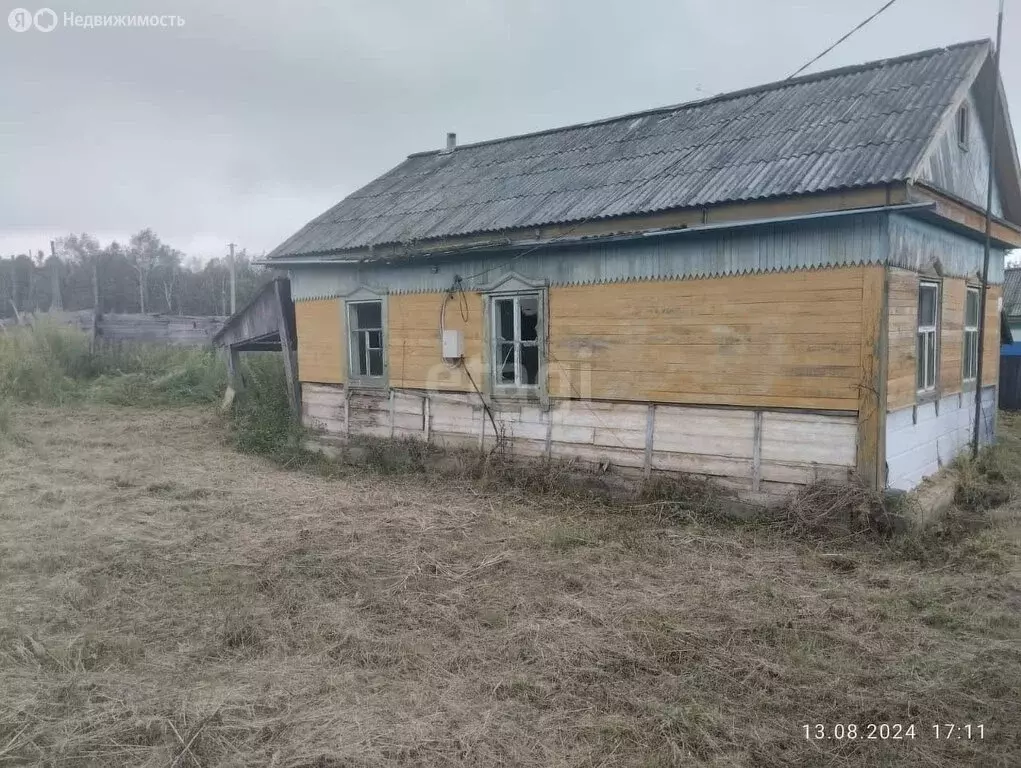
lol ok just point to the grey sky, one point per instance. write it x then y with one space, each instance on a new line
256 116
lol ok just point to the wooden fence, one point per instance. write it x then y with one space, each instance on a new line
177 330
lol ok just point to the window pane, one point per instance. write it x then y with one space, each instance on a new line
971 309
375 339
967 355
505 366
529 306
930 360
369 315
375 362
926 305
920 362
505 319
530 365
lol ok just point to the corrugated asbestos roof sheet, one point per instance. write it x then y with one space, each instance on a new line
1012 292
845 128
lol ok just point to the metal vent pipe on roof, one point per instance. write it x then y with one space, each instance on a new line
451 142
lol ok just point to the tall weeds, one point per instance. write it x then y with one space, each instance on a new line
52 364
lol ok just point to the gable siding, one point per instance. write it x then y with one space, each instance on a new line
962 172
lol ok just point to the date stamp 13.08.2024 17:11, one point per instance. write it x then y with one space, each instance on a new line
893 731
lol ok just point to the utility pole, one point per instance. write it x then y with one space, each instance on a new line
233 281
56 300
994 91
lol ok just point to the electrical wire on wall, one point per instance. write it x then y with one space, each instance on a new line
460 362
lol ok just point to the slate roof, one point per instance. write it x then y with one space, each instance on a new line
845 128
1012 292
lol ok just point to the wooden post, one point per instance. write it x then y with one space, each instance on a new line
757 452
871 453
234 370
234 383
288 349
650 431
548 449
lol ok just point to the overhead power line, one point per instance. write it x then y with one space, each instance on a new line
805 66
458 281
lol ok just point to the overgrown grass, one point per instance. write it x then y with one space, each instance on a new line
6 419
166 602
260 421
51 364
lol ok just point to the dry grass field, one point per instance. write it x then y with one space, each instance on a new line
165 601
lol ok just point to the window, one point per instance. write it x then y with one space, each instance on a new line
928 313
971 335
516 335
962 126
365 319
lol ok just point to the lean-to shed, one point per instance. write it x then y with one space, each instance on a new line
768 287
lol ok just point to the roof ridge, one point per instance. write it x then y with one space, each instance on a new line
720 97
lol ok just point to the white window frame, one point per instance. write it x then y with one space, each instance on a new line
496 368
929 330
970 366
962 126
353 333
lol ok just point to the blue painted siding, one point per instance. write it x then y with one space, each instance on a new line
872 238
770 248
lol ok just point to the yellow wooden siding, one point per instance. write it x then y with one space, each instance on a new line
902 299
321 347
872 390
903 325
782 340
413 340
951 352
991 342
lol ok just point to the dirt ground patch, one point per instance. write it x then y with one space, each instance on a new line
167 602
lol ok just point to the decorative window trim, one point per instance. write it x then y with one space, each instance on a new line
510 286
927 389
365 295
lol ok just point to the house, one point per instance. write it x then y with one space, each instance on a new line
1012 301
1010 338
767 287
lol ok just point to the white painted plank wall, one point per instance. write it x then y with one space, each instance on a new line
793 448
920 439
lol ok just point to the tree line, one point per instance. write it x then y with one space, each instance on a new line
143 275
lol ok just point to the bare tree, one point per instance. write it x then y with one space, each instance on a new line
168 271
144 249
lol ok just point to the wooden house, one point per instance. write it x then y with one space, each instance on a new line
768 287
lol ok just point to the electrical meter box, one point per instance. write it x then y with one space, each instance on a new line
453 345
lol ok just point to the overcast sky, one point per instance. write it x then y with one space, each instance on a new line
255 117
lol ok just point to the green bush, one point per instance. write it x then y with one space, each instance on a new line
260 418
